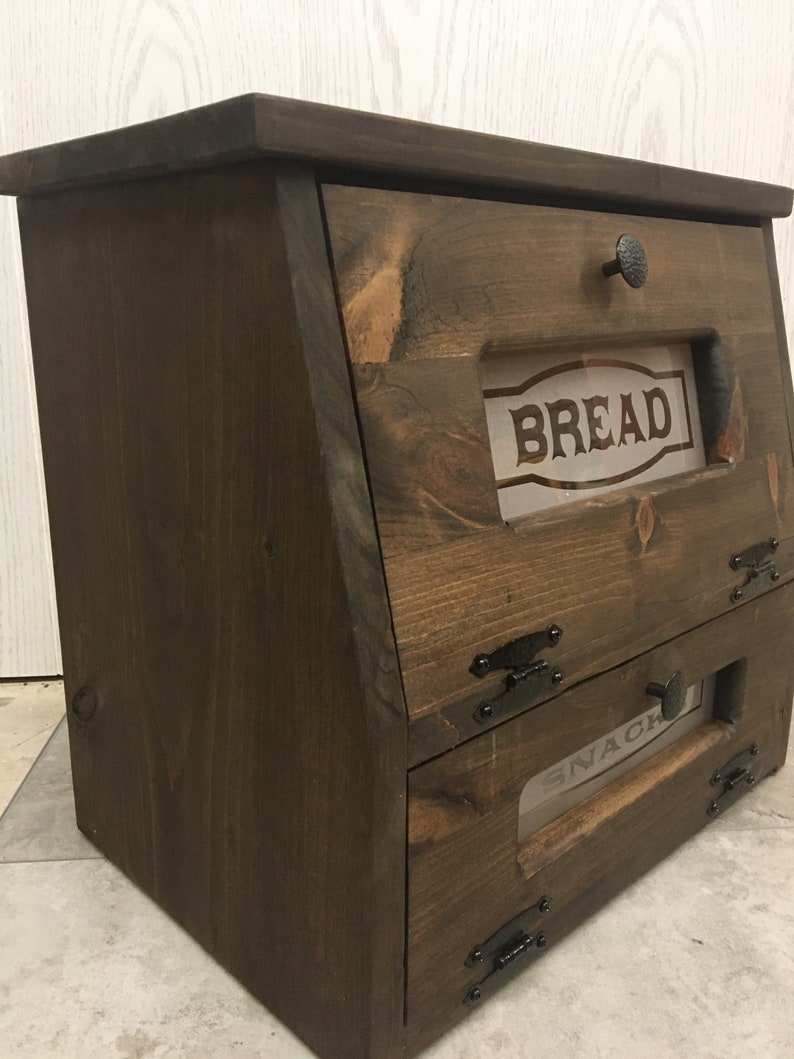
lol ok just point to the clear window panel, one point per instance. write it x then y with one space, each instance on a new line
565 426
569 782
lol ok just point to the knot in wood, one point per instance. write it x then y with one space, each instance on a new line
645 521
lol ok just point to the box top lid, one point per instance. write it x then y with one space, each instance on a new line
348 142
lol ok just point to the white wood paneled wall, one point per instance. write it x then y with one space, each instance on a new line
707 84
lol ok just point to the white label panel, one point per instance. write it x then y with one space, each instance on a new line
553 792
563 427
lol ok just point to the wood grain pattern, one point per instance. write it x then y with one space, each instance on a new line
429 452
432 276
653 79
703 61
237 731
382 957
780 323
468 874
611 600
267 126
427 285
589 76
28 621
128 62
690 49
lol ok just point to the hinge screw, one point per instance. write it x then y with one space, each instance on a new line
542 941
557 676
486 709
714 808
755 749
544 904
774 544
716 778
477 956
750 779
775 575
735 562
737 594
475 994
554 632
481 665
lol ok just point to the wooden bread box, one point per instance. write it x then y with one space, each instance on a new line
422 510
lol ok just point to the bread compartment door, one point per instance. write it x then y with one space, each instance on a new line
565 469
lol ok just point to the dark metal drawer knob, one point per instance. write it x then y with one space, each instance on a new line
630 261
672 694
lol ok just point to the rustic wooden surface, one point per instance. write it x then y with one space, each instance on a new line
426 286
257 125
237 731
634 571
468 874
652 79
433 276
780 323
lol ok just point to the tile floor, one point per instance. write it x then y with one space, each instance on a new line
696 960
28 714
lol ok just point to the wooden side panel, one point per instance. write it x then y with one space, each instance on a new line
438 276
468 873
237 731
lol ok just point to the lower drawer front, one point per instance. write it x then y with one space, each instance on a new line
555 805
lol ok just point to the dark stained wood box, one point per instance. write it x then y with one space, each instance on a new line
373 732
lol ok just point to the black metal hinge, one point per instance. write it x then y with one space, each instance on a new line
735 777
510 947
761 571
527 680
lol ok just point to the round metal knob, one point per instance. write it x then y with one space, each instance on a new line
672 694
630 261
